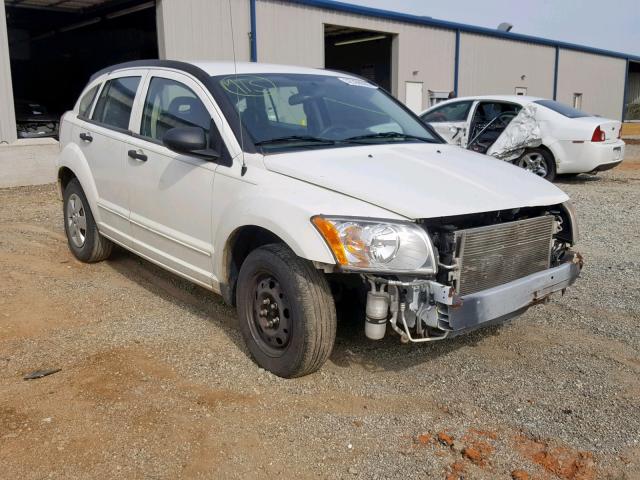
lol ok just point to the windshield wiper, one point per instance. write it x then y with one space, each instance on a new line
296 138
384 135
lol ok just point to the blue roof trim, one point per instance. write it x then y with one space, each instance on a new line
432 22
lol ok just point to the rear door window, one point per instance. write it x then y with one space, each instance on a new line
116 101
87 101
171 104
452 112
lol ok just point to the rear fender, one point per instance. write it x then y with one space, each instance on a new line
72 158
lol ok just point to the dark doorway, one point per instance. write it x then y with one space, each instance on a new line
55 47
363 52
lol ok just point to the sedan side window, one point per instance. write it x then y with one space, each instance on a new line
116 101
452 112
170 104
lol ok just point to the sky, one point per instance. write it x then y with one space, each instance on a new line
607 24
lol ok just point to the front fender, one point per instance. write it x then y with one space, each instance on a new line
283 206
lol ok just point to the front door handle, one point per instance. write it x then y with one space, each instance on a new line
86 137
137 155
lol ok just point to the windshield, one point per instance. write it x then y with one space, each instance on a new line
562 109
282 111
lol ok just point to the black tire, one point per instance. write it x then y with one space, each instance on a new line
300 342
89 246
548 162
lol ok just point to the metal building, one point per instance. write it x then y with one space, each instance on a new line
420 60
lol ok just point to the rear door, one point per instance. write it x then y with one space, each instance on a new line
451 121
170 194
102 138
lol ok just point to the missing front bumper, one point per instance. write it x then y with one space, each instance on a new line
434 311
511 299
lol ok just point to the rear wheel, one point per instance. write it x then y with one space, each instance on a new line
85 242
538 161
286 312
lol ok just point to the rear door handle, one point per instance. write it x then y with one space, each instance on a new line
86 137
137 155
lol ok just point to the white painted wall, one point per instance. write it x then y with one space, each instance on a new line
7 112
201 29
493 66
599 79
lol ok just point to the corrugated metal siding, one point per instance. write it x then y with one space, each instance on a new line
492 66
599 79
200 29
7 112
294 34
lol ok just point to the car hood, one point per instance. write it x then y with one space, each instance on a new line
418 180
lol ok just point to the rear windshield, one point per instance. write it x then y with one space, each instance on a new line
562 109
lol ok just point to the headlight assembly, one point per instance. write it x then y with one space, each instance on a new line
377 245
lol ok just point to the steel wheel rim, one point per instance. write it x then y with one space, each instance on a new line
270 321
76 218
534 162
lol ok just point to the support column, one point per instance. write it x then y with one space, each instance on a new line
7 110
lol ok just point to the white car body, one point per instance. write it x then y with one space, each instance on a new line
185 213
568 139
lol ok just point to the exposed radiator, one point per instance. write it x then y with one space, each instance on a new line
498 254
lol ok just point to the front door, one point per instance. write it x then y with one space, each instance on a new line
450 121
170 194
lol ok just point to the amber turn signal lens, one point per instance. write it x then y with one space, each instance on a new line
332 237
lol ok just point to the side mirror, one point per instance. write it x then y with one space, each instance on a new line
190 141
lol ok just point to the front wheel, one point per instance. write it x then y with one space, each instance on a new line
286 312
538 161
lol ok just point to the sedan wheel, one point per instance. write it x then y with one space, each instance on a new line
538 162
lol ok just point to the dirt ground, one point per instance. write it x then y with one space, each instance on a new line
156 383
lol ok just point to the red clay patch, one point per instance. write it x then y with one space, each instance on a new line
519 475
445 439
563 462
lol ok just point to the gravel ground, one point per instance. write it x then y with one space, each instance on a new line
156 382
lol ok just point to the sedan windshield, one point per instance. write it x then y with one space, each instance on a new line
281 111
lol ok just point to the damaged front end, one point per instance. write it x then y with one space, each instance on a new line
491 267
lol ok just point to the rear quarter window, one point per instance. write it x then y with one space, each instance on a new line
87 101
562 109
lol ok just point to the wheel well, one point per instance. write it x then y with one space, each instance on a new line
242 242
546 149
65 175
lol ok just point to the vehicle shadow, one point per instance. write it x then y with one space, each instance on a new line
390 354
351 346
581 179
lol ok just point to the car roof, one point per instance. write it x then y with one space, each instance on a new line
522 99
210 68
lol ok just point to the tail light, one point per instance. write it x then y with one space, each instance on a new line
598 135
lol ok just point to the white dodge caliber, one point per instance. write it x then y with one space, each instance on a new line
543 136
291 190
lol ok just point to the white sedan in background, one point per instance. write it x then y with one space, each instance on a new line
543 136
